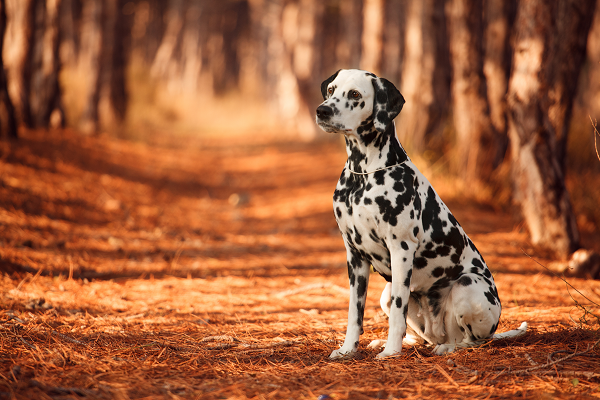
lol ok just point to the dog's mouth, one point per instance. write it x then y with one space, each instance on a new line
331 127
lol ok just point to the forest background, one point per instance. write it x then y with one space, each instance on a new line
166 228
501 93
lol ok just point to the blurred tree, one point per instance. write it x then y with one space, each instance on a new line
34 64
592 92
349 49
498 19
425 80
549 45
8 123
475 135
90 52
17 53
45 94
103 54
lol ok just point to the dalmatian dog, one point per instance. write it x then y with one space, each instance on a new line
439 288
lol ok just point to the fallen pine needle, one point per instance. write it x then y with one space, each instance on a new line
446 374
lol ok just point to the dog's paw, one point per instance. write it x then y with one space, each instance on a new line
377 344
341 354
442 349
387 354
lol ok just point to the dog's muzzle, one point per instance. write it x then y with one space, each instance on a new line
324 112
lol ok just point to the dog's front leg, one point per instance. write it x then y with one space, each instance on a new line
358 275
402 260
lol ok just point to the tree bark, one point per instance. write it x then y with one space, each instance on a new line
349 51
18 53
573 20
394 32
498 18
592 93
475 136
539 64
422 84
90 61
372 34
115 50
45 97
8 123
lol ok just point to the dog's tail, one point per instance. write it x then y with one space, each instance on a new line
515 333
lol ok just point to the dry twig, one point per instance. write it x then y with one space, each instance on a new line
549 364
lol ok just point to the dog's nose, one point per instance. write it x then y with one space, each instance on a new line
324 112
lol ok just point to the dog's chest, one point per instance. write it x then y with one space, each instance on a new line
371 210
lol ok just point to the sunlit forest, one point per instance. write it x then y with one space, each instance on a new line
166 228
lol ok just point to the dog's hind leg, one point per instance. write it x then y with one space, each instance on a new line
471 315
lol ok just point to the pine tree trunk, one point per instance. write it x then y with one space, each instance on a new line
422 83
393 40
474 132
539 182
372 33
8 123
115 47
573 20
45 94
592 93
90 61
349 51
496 66
19 48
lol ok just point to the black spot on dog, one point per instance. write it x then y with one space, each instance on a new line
434 294
368 201
362 286
404 245
416 231
490 297
464 281
477 263
408 277
437 272
362 105
442 251
420 262
351 276
387 211
357 237
338 212
398 302
428 254
493 330
453 273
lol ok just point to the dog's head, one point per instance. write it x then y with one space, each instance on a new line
357 102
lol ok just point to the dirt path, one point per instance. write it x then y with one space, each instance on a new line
183 269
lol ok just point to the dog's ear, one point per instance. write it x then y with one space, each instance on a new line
326 83
387 103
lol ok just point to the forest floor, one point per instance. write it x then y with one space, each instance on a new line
213 269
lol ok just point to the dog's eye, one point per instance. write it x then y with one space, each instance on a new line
354 95
330 91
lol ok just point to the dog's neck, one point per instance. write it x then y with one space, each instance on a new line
372 150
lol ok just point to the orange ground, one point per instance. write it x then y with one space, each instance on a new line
182 269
